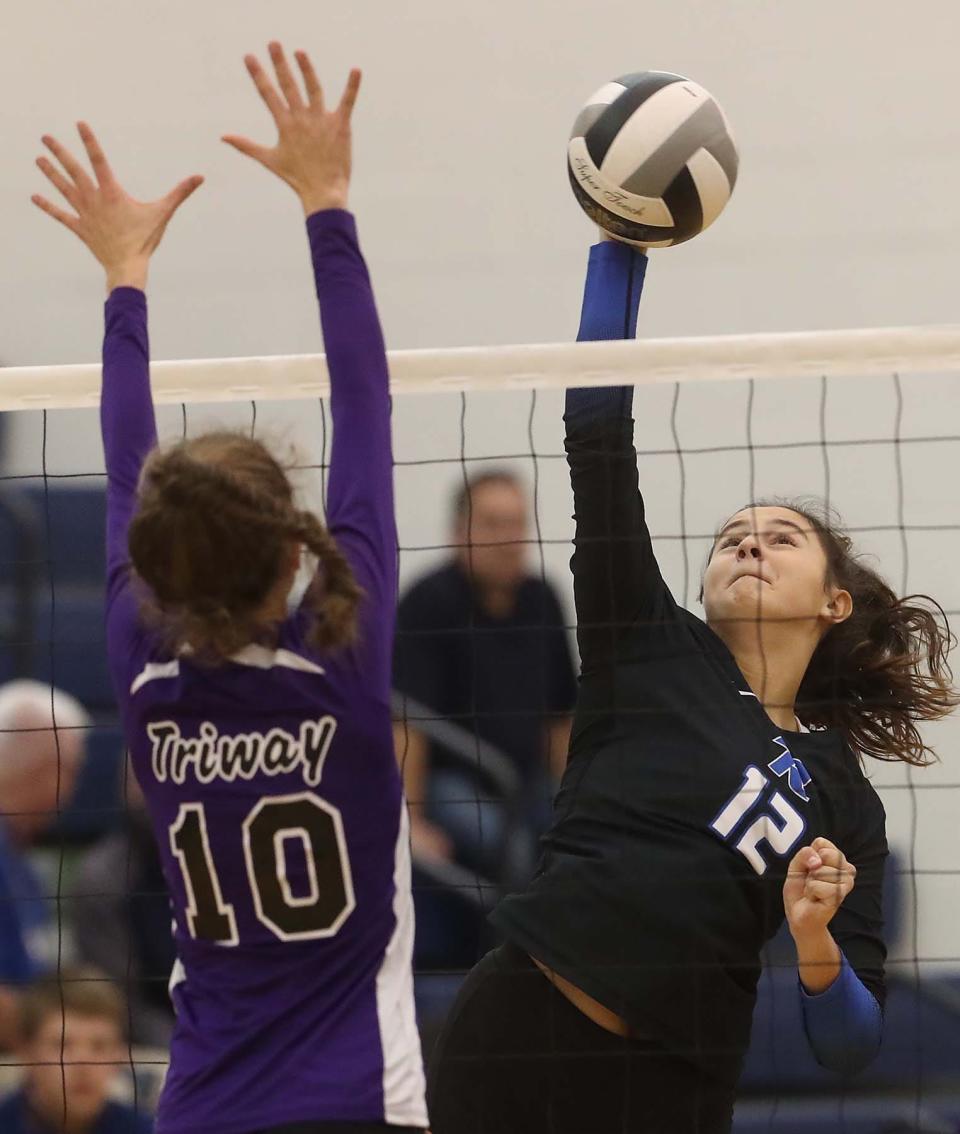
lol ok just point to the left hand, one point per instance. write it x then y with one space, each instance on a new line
313 151
818 879
121 232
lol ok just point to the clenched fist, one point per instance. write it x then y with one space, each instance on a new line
818 879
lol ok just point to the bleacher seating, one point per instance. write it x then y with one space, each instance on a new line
69 646
55 534
72 539
844 1114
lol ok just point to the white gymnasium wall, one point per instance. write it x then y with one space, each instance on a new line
844 216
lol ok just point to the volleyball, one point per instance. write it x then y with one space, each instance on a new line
651 159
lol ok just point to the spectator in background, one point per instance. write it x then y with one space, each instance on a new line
42 741
121 916
72 1046
482 642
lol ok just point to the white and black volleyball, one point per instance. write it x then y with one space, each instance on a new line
651 159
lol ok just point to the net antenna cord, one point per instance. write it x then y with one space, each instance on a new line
854 353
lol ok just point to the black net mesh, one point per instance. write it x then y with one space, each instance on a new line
84 887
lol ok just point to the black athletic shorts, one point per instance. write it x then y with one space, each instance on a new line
516 1057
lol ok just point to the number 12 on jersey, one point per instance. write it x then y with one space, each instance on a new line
271 825
781 838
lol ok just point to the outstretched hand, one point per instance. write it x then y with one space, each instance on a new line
313 149
121 232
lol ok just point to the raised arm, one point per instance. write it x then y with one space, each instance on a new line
127 422
313 156
122 233
617 583
360 511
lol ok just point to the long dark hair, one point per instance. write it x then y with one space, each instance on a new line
884 670
216 515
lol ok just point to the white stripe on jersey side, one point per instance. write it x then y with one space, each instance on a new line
404 1088
651 124
178 974
257 656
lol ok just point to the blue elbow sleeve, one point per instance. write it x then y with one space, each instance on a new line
844 1024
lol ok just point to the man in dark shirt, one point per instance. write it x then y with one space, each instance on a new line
483 643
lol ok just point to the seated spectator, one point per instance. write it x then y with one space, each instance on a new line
482 642
120 914
42 740
72 1047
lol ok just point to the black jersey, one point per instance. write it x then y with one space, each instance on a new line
683 803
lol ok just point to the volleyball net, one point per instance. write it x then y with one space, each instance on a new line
868 420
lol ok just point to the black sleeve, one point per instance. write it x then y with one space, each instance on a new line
857 927
616 579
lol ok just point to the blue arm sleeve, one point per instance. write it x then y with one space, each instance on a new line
611 298
844 1024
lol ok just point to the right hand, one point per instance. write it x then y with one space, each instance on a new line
313 150
120 231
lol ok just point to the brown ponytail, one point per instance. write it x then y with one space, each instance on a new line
333 594
211 538
882 671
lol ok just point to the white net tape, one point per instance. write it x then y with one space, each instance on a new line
865 352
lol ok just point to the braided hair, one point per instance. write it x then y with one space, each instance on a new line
215 525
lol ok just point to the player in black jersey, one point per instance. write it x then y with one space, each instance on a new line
714 787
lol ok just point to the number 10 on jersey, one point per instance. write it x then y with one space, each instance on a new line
268 830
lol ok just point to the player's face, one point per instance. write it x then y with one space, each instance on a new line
769 564
80 1075
496 553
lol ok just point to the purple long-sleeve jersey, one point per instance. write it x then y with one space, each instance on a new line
271 780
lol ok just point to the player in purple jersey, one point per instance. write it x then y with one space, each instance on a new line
262 739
